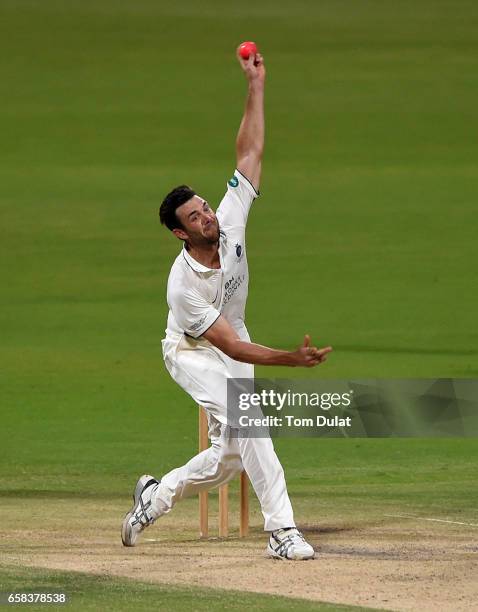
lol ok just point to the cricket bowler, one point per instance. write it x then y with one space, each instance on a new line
207 342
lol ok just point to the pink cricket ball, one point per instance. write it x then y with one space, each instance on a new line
247 48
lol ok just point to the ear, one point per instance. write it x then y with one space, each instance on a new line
179 233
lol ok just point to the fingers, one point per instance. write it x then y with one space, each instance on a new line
313 362
253 61
259 60
242 61
313 350
322 354
314 356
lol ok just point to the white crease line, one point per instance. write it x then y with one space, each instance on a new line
420 518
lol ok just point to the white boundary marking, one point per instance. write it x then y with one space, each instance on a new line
421 518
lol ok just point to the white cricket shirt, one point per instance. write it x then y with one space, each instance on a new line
197 295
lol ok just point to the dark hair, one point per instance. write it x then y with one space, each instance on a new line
175 198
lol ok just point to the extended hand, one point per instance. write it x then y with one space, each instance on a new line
309 356
253 67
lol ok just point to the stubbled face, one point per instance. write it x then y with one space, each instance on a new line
200 225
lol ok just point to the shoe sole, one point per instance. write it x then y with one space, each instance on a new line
126 528
272 553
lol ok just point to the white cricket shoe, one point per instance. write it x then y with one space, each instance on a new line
289 544
139 517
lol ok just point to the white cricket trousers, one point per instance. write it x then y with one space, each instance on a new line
203 372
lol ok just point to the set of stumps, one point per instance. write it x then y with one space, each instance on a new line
223 495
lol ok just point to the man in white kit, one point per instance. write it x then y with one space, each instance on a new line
207 342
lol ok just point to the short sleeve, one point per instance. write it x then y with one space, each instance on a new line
234 207
193 313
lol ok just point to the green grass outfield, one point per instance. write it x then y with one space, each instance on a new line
365 236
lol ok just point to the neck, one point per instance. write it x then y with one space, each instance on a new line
207 254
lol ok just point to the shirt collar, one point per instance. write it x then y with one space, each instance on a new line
199 267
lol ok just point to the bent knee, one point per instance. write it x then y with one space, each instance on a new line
229 462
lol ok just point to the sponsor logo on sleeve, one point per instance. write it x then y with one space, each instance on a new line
233 181
198 324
